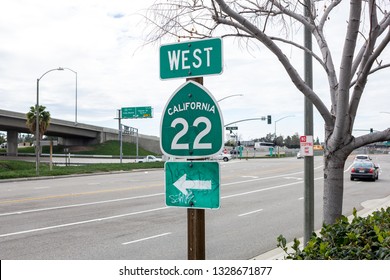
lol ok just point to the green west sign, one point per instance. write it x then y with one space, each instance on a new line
191 59
191 126
192 184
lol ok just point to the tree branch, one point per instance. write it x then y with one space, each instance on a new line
380 67
342 120
362 79
371 138
385 22
291 71
316 57
325 16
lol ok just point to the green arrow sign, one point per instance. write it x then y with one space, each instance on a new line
191 59
192 184
191 126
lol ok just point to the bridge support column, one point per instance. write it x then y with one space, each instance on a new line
12 143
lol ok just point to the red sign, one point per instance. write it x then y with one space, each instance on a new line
306 142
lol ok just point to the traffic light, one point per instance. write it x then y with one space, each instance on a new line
269 119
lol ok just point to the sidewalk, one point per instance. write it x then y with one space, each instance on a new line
369 207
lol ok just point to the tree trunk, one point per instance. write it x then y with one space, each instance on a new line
333 187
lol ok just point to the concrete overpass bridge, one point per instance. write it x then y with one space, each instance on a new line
69 133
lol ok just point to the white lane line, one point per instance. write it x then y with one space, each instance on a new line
294 178
83 222
266 178
80 205
249 213
260 179
41 188
147 238
348 168
260 190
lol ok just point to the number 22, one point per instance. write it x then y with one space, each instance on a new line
184 130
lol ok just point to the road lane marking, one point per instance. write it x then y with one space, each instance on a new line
80 205
128 214
136 197
41 188
72 194
293 178
260 190
146 238
249 213
83 222
263 178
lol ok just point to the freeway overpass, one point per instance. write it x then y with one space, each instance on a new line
69 133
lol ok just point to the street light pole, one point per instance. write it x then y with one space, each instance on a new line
75 110
275 128
245 120
229 96
37 136
280 120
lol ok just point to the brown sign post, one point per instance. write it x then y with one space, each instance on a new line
196 232
193 60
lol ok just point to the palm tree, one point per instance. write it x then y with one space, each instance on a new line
44 120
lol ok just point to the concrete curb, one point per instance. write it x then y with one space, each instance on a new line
369 207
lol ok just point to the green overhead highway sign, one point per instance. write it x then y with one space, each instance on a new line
192 184
191 59
191 126
136 112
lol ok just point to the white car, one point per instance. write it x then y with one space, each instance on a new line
148 158
362 157
222 156
3 145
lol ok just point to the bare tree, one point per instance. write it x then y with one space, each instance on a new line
257 20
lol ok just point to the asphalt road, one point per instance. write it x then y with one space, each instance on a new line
123 216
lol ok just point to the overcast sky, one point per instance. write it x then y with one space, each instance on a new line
102 40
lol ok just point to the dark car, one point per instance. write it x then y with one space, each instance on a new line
364 170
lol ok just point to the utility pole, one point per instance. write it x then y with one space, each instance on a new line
309 160
120 139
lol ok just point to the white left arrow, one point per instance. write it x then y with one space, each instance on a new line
182 184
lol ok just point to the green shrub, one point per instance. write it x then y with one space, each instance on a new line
361 239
